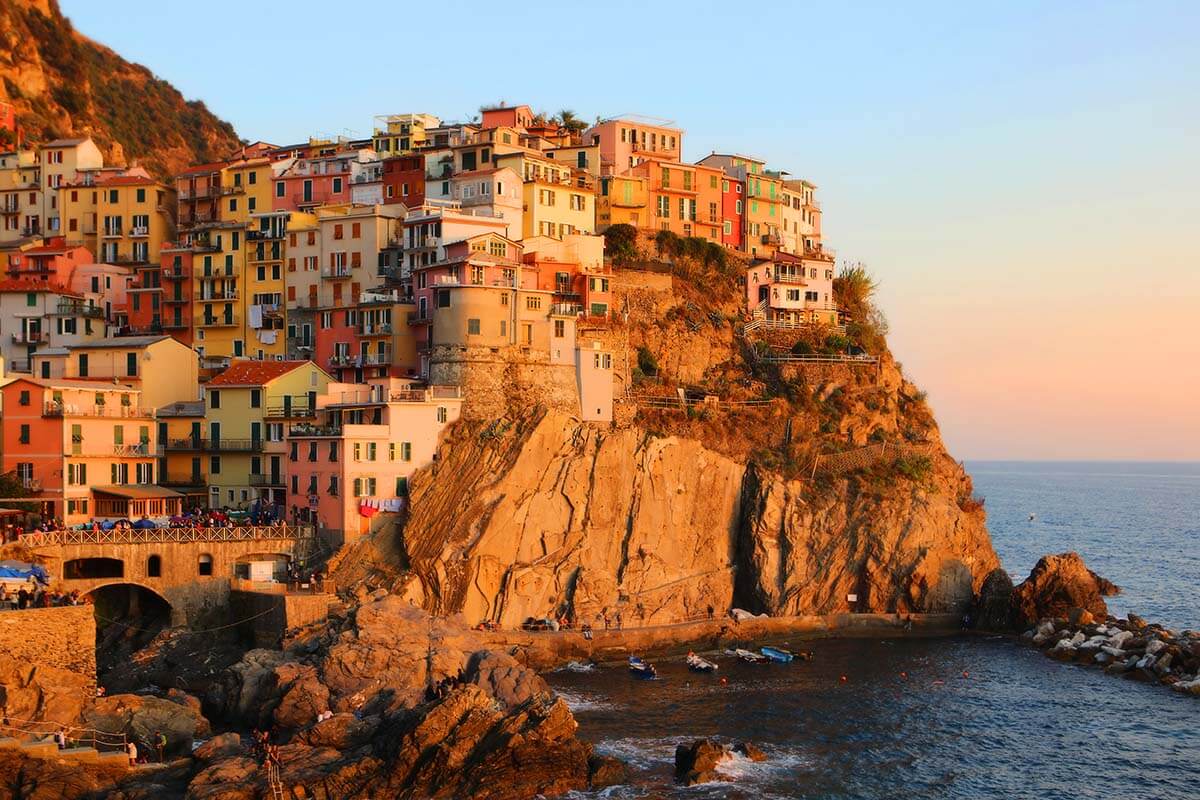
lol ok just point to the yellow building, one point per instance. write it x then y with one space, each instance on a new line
135 218
558 199
59 161
182 463
246 189
623 200
248 409
397 134
20 196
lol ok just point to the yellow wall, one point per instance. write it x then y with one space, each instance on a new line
625 203
215 273
123 201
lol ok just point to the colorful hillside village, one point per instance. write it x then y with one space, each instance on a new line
287 332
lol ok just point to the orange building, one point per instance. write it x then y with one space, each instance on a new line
80 445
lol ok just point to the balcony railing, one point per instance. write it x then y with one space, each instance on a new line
31 484
140 230
235 445
69 309
181 479
305 429
221 322
29 337
566 309
187 444
131 450
176 324
53 409
216 297
377 359
374 329
266 480
335 273
783 277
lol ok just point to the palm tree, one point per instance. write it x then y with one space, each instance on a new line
567 119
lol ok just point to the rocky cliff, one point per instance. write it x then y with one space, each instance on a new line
780 496
64 84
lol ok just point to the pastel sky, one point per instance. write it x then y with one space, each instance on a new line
1023 178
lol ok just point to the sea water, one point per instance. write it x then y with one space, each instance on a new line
966 717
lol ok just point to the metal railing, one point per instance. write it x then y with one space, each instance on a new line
235 533
115 412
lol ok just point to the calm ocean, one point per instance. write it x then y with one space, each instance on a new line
1018 725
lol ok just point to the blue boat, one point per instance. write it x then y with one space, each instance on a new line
777 654
642 669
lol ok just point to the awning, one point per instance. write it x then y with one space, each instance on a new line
136 492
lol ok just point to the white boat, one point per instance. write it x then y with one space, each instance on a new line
697 664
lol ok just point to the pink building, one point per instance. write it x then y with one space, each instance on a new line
353 463
789 291
324 180
626 142
54 261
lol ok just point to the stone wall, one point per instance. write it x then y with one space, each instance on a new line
497 380
267 615
63 638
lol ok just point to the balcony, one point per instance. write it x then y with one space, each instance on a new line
53 409
419 318
342 360
374 329
112 232
336 273
30 337
140 231
377 359
31 230
235 445
176 324
667 186
296 411
771 239
307 429
566 309
311 198
228 295
31 484
227 321
267 480
174 274
140 449
783 277
75 309
187 444
181 479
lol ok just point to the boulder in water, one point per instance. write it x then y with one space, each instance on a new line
1057 585
697 762
993 605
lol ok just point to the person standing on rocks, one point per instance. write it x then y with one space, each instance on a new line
131 751
160 745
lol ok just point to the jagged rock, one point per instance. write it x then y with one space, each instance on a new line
342 731
304 696
1055 586
1135 620
993 607
697 762
219 747
228 779
1079 617
605 771
559 516
504 678
35 692
749 750
140 717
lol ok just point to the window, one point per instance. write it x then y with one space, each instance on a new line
406 451
205 565
355 230
214 465
279 188
441 414
312 451
214 398
358 451
333 486
560 328
141 195
333 451
337 185
401 487
533 303
473 327
256 398
24 434
24 398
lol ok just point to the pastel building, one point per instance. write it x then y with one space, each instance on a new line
86 448
558 199
626 142
249 406
20 196
136 218
623 200
36 315
495 192
789 291
763 196
59 161
53 261
684 198
354 461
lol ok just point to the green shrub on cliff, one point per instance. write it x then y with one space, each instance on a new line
917 469
620 243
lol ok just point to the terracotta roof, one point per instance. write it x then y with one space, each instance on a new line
254 373
214 166
125 180
66 142
21 285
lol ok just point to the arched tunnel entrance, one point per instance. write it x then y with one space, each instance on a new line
128 617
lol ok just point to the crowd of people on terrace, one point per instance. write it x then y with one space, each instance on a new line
192 518
32 594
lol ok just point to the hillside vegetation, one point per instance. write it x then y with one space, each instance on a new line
63 84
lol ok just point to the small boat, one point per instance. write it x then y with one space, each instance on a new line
697 664
777 654
642 669
749 656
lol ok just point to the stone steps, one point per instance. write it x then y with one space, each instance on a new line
48 748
